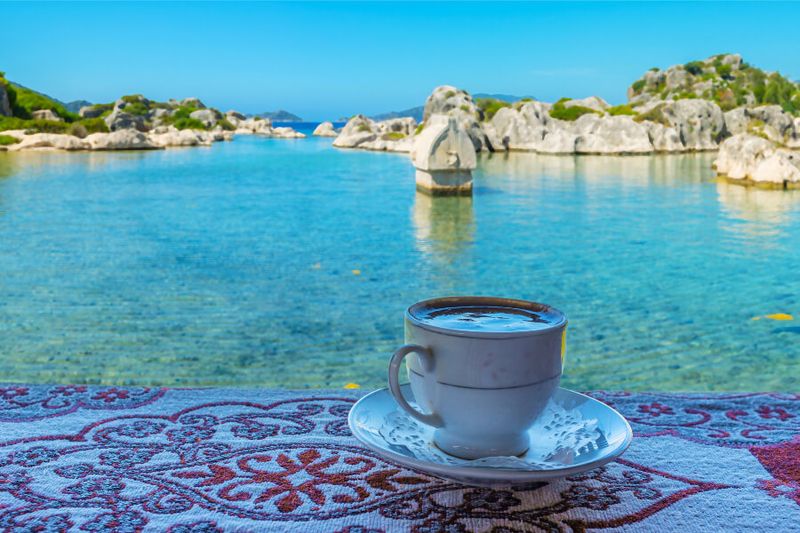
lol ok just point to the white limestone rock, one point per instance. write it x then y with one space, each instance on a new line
125 139
208 117
457 103
700 123
120 120
192 102
324 129
592 102
663 138
52 141
91 111
46 114
393 135
611 135
444 156
175 137
751 158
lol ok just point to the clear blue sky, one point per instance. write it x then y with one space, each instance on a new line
330 60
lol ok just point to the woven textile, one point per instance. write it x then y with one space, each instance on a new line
132 459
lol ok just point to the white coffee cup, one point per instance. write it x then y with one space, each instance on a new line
481 388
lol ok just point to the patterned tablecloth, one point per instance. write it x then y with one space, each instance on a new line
128 459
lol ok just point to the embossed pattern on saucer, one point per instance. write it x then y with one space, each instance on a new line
575 433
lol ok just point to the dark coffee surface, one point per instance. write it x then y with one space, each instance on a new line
486 318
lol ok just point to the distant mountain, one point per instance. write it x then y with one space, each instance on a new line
279 116
75 105
500 96
416 112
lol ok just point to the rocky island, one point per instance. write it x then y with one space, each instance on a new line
31 120
720 103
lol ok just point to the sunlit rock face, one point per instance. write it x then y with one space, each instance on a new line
458 104
749 158
324 129
393 135
444 156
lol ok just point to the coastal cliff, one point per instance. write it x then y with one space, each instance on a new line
31 120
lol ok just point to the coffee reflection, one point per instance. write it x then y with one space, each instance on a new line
444 226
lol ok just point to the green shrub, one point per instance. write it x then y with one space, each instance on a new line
5 140
12 123
24 102
685 95
77 130
94 125
393 136
449 94
189 124
464 108
419 129
562 112
637 86
490 106
656 115
226 124
364 128
181 119
136 108
694 68
132 98
623 109
724 71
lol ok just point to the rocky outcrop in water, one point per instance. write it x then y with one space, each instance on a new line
685 108
457 103
393 135
324 129
444 156
751 159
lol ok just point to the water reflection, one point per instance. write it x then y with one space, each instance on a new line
7 165
443 226
754 214
640 170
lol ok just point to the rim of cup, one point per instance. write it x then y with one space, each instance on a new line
559 320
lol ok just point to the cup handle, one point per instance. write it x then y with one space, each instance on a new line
432 419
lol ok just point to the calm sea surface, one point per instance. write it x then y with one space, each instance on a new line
289 263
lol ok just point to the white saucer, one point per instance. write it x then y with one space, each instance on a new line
575 433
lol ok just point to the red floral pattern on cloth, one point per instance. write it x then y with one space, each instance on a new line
246 460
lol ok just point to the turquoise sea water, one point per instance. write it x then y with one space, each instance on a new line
289 263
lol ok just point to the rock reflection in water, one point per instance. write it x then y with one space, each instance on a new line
754 214
444 226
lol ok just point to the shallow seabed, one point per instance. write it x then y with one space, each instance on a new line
289 263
